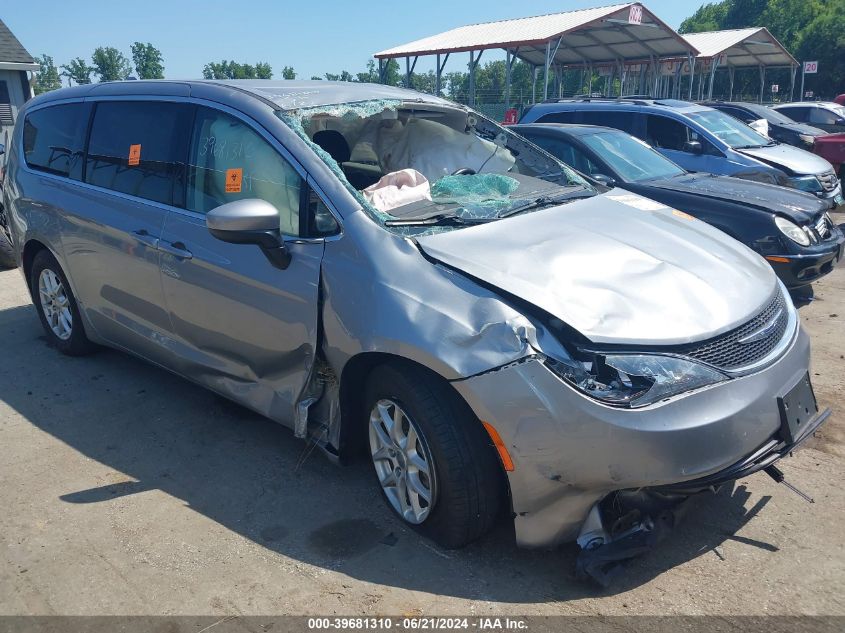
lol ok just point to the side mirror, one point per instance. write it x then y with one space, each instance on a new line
605 180
250 221
693 147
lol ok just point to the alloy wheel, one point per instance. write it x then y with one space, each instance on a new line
55 304
402 461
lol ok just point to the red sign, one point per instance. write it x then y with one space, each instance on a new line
511 116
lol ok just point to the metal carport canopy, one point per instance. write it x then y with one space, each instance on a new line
753 47
599 35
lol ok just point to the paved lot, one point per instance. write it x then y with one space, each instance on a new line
126 490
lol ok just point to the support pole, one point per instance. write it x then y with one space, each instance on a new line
546 70
792 81
437 77
407 72
507 79
731 79
534 70
382 71
762 81
713 67
801 96
472 78
691 74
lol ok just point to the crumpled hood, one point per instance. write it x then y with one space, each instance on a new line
792 160
798 206
618 268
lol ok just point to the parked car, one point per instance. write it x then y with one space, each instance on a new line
700 139
826 115
488 327
790 228
780 127
831 147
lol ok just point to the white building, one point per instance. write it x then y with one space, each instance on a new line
15 65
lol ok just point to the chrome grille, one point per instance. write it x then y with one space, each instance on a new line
823 226
726 351
828 180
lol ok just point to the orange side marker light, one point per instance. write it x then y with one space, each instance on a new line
507 462
775 258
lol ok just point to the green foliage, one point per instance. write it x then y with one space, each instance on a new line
288 73
47 77
234 70
110 64
78 71
148 61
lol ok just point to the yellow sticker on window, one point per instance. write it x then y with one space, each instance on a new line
135 154
234 178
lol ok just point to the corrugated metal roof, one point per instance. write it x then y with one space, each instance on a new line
11 50
602 34
743 47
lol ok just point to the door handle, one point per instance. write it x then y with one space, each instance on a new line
177 249
143 236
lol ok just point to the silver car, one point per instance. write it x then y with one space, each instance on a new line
387 272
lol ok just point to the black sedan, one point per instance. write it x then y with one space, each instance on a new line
781 127
791 229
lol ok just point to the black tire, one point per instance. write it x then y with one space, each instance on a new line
77 344
7 255
470 484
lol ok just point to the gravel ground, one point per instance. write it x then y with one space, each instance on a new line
127 490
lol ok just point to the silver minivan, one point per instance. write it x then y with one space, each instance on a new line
390 273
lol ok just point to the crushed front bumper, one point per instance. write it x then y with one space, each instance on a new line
569 451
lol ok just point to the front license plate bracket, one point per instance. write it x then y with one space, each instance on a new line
797 407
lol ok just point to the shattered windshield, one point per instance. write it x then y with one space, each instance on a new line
423 165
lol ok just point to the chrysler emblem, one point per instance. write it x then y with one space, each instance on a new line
764 331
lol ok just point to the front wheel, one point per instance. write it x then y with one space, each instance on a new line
433 459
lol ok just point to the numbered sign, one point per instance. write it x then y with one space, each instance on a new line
811 68
775 88
635 15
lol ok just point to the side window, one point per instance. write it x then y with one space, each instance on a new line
797 114
230 161
54 139
139 148
320 219
619 120
666 133
820 115
558 117
742 115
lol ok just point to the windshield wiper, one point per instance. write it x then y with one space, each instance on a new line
443 219
546 201
769 144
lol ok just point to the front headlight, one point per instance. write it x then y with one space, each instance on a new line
635 380
807 139
792 231
805 183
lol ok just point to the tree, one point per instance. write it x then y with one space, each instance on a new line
371 76
110 64
263 70
316 78
47 77
78 71
288 73
234 70
148 61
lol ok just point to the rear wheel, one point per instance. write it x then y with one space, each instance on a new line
433 460
56 306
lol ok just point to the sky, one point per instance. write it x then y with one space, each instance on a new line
314 37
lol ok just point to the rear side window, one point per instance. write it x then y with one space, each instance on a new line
558 117
566 152
230 161
139 148
619 120
54 139
820 115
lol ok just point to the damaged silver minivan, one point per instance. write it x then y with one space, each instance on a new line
383 269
